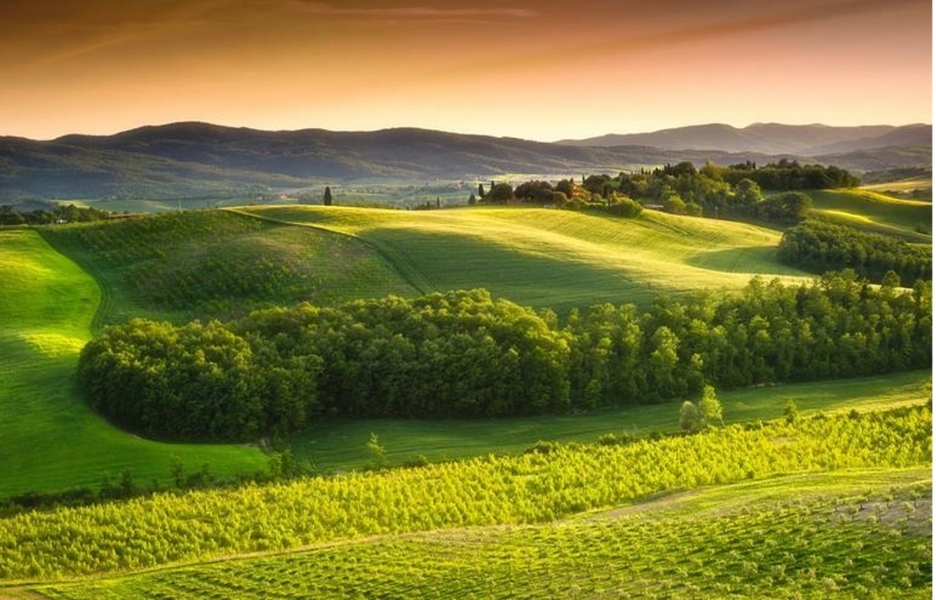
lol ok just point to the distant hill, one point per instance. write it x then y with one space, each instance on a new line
770 138
204 160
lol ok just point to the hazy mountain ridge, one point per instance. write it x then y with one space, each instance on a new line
770 138
201 159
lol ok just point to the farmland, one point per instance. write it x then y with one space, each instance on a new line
532 506
542 486
738 539
554 258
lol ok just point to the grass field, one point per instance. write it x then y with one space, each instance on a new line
753 539
341 445
921 186
182 266
49 440
553 258
876 212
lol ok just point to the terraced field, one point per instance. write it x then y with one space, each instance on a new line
49 439
553 258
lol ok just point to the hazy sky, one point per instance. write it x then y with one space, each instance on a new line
537 70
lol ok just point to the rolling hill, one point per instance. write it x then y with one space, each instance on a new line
186 160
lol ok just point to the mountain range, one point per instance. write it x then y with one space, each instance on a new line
200 159
771 138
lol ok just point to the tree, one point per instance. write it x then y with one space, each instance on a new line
689 417
472 200
377 453
710 408
327 198
790 411
481 191
747 193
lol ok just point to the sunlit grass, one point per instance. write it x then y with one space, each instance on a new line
49 439
554 258
875 212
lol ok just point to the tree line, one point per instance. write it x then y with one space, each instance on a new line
10 215
464 354
736 191
817 246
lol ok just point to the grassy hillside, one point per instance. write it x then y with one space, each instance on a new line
876 212
738 540
49 440
181 266
553 258
335 446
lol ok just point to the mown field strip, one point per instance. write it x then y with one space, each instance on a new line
49 439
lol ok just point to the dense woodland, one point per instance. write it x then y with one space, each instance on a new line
465 354
818 247
712 191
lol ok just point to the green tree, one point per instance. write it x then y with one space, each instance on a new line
790 411
690 419
377 453
327 198
710 408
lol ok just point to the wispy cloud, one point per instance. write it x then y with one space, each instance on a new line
411 13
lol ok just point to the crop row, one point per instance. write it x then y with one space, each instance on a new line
215 263
539 486
870 546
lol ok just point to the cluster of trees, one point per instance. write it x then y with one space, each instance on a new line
712 191
788 174
818 247
9 215
564 194
715 191
464 354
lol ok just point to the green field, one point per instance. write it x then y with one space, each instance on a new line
876 212
49 439
336 446
739 540
922 187
553 258
182 266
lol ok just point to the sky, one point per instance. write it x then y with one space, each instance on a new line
543 70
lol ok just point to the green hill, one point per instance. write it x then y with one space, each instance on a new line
553 258
49 439
875 212
181 266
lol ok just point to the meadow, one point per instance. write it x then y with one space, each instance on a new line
549 258
49 438
876 212
182 266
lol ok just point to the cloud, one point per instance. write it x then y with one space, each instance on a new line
411 13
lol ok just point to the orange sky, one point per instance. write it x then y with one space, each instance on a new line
537 70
